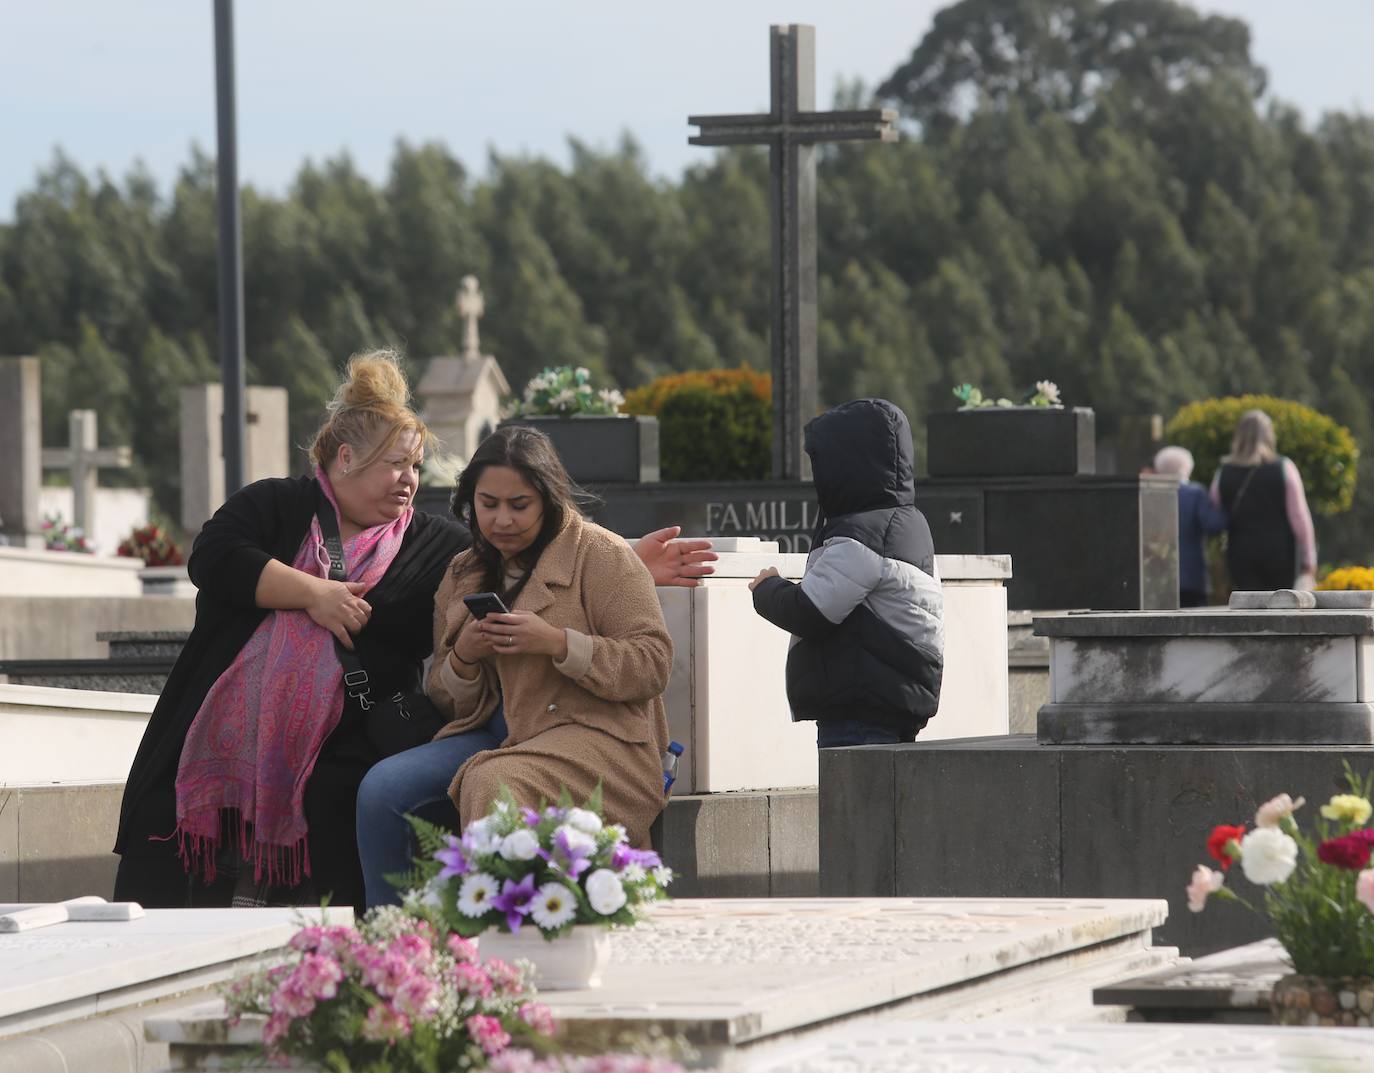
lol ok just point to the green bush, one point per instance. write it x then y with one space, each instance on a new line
1324 452
714 424
715 435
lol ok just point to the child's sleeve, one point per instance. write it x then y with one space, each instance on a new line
836 582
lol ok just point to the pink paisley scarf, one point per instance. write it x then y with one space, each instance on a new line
253 744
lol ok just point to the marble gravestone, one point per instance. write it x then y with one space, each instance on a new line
266 446
21 430
729 975
70 990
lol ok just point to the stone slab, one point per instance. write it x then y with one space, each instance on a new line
991 1047
1127 820
64 852
77 735
1206 622
728 973
1336 599
717 844
1231 984
65 627
9 844
1140 670
794 844
1206 724
78 970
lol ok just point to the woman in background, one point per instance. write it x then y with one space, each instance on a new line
1270 542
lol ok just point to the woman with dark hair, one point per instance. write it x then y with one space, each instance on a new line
1269 538
564 691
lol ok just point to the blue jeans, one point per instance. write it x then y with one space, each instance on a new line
835 733
415 781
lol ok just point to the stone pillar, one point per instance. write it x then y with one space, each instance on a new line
267 448
21 445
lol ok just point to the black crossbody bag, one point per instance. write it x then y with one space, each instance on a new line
405 719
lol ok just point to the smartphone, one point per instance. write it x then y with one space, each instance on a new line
482 604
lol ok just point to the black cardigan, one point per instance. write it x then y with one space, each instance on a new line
268 520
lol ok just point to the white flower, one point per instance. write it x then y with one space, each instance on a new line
633 873
663 875
611 397
1276 809
564 397
520 845
581 373
616 831
476 893
478 837
1205 882
576 838
584 820
1049 389
553 906
605 892
1268 856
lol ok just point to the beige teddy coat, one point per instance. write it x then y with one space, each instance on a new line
597 715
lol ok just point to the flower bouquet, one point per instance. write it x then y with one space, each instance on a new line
153 545
395 993
59 536
539 874
1318 892
1045 393
565 392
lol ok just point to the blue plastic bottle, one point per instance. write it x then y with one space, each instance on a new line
670 759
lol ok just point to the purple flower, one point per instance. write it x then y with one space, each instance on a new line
571 848
623 856
531 817
514 901
452 858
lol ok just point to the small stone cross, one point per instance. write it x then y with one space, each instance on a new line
82 459
470 308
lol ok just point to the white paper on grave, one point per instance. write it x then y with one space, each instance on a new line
83 910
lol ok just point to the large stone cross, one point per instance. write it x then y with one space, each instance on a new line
82 458
792 129
470 308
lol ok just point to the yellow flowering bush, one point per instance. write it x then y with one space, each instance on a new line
1324 452
1348 577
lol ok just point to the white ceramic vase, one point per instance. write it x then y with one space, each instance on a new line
569 963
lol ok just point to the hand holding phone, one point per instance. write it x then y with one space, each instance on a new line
482 604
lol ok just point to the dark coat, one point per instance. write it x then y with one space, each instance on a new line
268 520
1198 517
868 615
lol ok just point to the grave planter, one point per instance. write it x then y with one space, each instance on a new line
1012 441
611 449
571 962
1340 1002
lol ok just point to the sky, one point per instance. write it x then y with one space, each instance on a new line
114 82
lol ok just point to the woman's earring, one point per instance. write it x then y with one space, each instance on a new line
345 471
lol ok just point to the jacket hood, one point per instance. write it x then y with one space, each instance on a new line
862 457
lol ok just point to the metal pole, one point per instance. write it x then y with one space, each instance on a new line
230 251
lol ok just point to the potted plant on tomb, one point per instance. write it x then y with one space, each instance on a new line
1036 436
597 443
1316 888
542 885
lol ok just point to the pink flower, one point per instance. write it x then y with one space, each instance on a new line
418 997
1276 809
1204 882
318 976
413 947
384 1024
471 979
290 1000
386 974
1364 888
538 1017
505 979
488 1034
275 1030
462 949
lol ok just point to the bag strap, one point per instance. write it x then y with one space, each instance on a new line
1243 485
356 682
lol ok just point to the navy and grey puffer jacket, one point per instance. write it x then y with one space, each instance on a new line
867 617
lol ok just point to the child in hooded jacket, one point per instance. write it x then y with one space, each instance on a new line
867 652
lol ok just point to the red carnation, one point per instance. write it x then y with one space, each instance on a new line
1218 839
1349 851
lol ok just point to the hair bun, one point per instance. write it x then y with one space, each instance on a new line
374 379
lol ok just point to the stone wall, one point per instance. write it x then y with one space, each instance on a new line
64 627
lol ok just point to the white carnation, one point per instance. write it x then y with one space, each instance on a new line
478 837
1268 856
520 845
605 892
584 820
576 839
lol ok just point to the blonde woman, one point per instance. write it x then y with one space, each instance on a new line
1270 542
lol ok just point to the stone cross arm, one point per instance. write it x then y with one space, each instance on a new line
763 128
100 458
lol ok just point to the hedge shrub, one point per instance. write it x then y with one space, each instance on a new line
1324 452
1348 577
714 425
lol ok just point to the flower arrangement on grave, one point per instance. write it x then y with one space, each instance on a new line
393 994
59 536
1348 577
1316 889
1044 394
565 391
550 869
153 545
